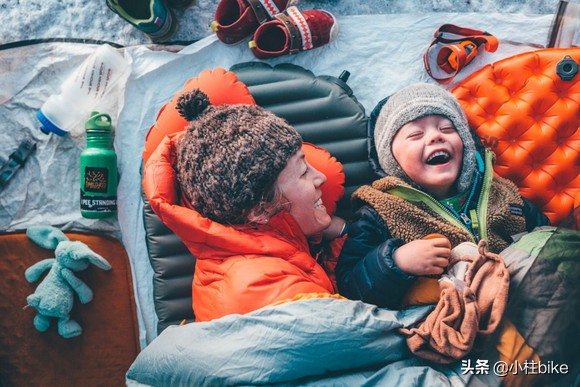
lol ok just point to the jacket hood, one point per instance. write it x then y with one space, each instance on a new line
204 237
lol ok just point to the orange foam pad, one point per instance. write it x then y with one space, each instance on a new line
530 118
109 343
221 86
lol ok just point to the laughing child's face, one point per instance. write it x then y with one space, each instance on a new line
430 152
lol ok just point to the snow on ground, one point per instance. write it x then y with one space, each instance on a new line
92 19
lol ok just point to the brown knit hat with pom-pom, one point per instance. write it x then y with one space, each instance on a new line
230 156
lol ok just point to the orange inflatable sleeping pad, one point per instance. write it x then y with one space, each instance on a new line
530 118
221 86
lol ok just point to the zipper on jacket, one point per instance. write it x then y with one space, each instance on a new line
470 221
412 194
483 202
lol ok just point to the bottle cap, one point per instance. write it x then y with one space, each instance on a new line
46 126
98 121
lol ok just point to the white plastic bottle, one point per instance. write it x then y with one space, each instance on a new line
67 111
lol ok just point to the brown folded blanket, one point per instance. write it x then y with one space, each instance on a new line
473 298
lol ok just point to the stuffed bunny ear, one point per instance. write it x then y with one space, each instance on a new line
78 250
47 237
98 261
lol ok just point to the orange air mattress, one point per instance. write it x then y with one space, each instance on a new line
530 117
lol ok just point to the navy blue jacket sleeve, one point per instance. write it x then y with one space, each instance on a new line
534 217
366 270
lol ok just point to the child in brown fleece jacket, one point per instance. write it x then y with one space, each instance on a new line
438 180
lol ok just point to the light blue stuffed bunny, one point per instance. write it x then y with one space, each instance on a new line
54 296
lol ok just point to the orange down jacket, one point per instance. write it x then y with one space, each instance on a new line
239 268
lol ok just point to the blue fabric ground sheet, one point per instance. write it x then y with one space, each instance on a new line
317 341
328 341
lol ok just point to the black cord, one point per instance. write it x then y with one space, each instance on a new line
23 43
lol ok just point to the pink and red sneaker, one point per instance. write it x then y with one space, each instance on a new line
237 19
293 31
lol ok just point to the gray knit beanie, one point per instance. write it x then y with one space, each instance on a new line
414 102
230 156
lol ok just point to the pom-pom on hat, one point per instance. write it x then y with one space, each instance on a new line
230 156
414 102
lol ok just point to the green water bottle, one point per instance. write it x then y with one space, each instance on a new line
98 169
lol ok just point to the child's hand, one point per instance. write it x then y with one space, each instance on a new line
424 256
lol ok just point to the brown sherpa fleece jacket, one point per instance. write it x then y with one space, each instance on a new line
414 220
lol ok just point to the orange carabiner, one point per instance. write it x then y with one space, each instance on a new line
470 51
460 54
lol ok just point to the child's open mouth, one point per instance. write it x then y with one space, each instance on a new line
438 158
